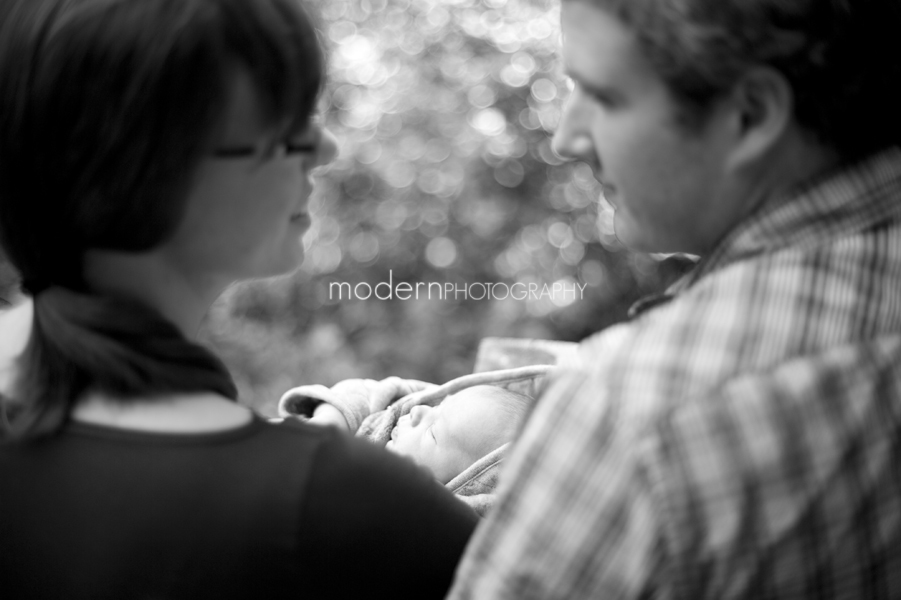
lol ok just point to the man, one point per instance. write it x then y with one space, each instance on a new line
742 439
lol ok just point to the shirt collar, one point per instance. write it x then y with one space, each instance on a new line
842 201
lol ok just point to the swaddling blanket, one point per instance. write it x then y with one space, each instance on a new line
476 484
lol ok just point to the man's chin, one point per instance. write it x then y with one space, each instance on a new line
627 235
634 238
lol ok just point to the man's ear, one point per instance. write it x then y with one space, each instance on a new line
763 104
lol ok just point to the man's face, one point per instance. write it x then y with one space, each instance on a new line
669 185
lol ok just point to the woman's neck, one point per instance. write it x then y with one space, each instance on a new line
15 328
177 413
181 297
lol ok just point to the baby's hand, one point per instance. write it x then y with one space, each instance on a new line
395 388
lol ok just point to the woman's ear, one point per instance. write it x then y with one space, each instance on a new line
763 104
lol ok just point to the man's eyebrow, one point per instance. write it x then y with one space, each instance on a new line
574 75
607 92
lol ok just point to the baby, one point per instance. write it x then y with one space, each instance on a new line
448 438
459 431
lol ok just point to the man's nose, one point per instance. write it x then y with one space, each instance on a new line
572 140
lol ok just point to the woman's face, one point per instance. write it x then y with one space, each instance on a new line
246 212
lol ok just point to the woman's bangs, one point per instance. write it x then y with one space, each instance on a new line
277 43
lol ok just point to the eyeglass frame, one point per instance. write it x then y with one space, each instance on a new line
289 149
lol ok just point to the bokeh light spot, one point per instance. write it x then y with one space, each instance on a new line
560 235
441 252
544 90
364 248
400 174
481 96
594 273
559 297
369 152
540 28
391 215
489 121
509 173
437 150
513 77
524 63
340 30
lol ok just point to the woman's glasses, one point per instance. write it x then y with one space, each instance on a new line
280 150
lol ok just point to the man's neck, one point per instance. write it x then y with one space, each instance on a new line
795 161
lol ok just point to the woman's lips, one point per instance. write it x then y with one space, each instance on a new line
301 219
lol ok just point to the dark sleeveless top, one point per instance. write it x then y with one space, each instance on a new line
261 511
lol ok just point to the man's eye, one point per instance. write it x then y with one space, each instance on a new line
598 96
602 99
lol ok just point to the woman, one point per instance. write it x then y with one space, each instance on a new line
151 153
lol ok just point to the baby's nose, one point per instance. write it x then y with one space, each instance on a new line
416 414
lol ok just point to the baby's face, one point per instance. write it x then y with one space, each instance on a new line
447 438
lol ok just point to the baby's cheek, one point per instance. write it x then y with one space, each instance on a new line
454 460
404 447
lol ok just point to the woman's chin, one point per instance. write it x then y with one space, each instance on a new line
285 264
290 260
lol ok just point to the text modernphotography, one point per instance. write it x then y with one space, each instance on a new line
444 113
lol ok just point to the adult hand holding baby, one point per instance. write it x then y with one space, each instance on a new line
383 393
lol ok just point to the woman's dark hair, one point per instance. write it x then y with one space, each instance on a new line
840 57
106 109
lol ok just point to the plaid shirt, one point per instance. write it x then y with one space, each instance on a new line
740 441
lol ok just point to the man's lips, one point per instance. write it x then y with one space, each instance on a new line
596 173
608 190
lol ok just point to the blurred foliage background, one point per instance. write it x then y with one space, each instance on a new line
444 111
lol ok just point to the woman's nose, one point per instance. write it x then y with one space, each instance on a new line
327 150
417 413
